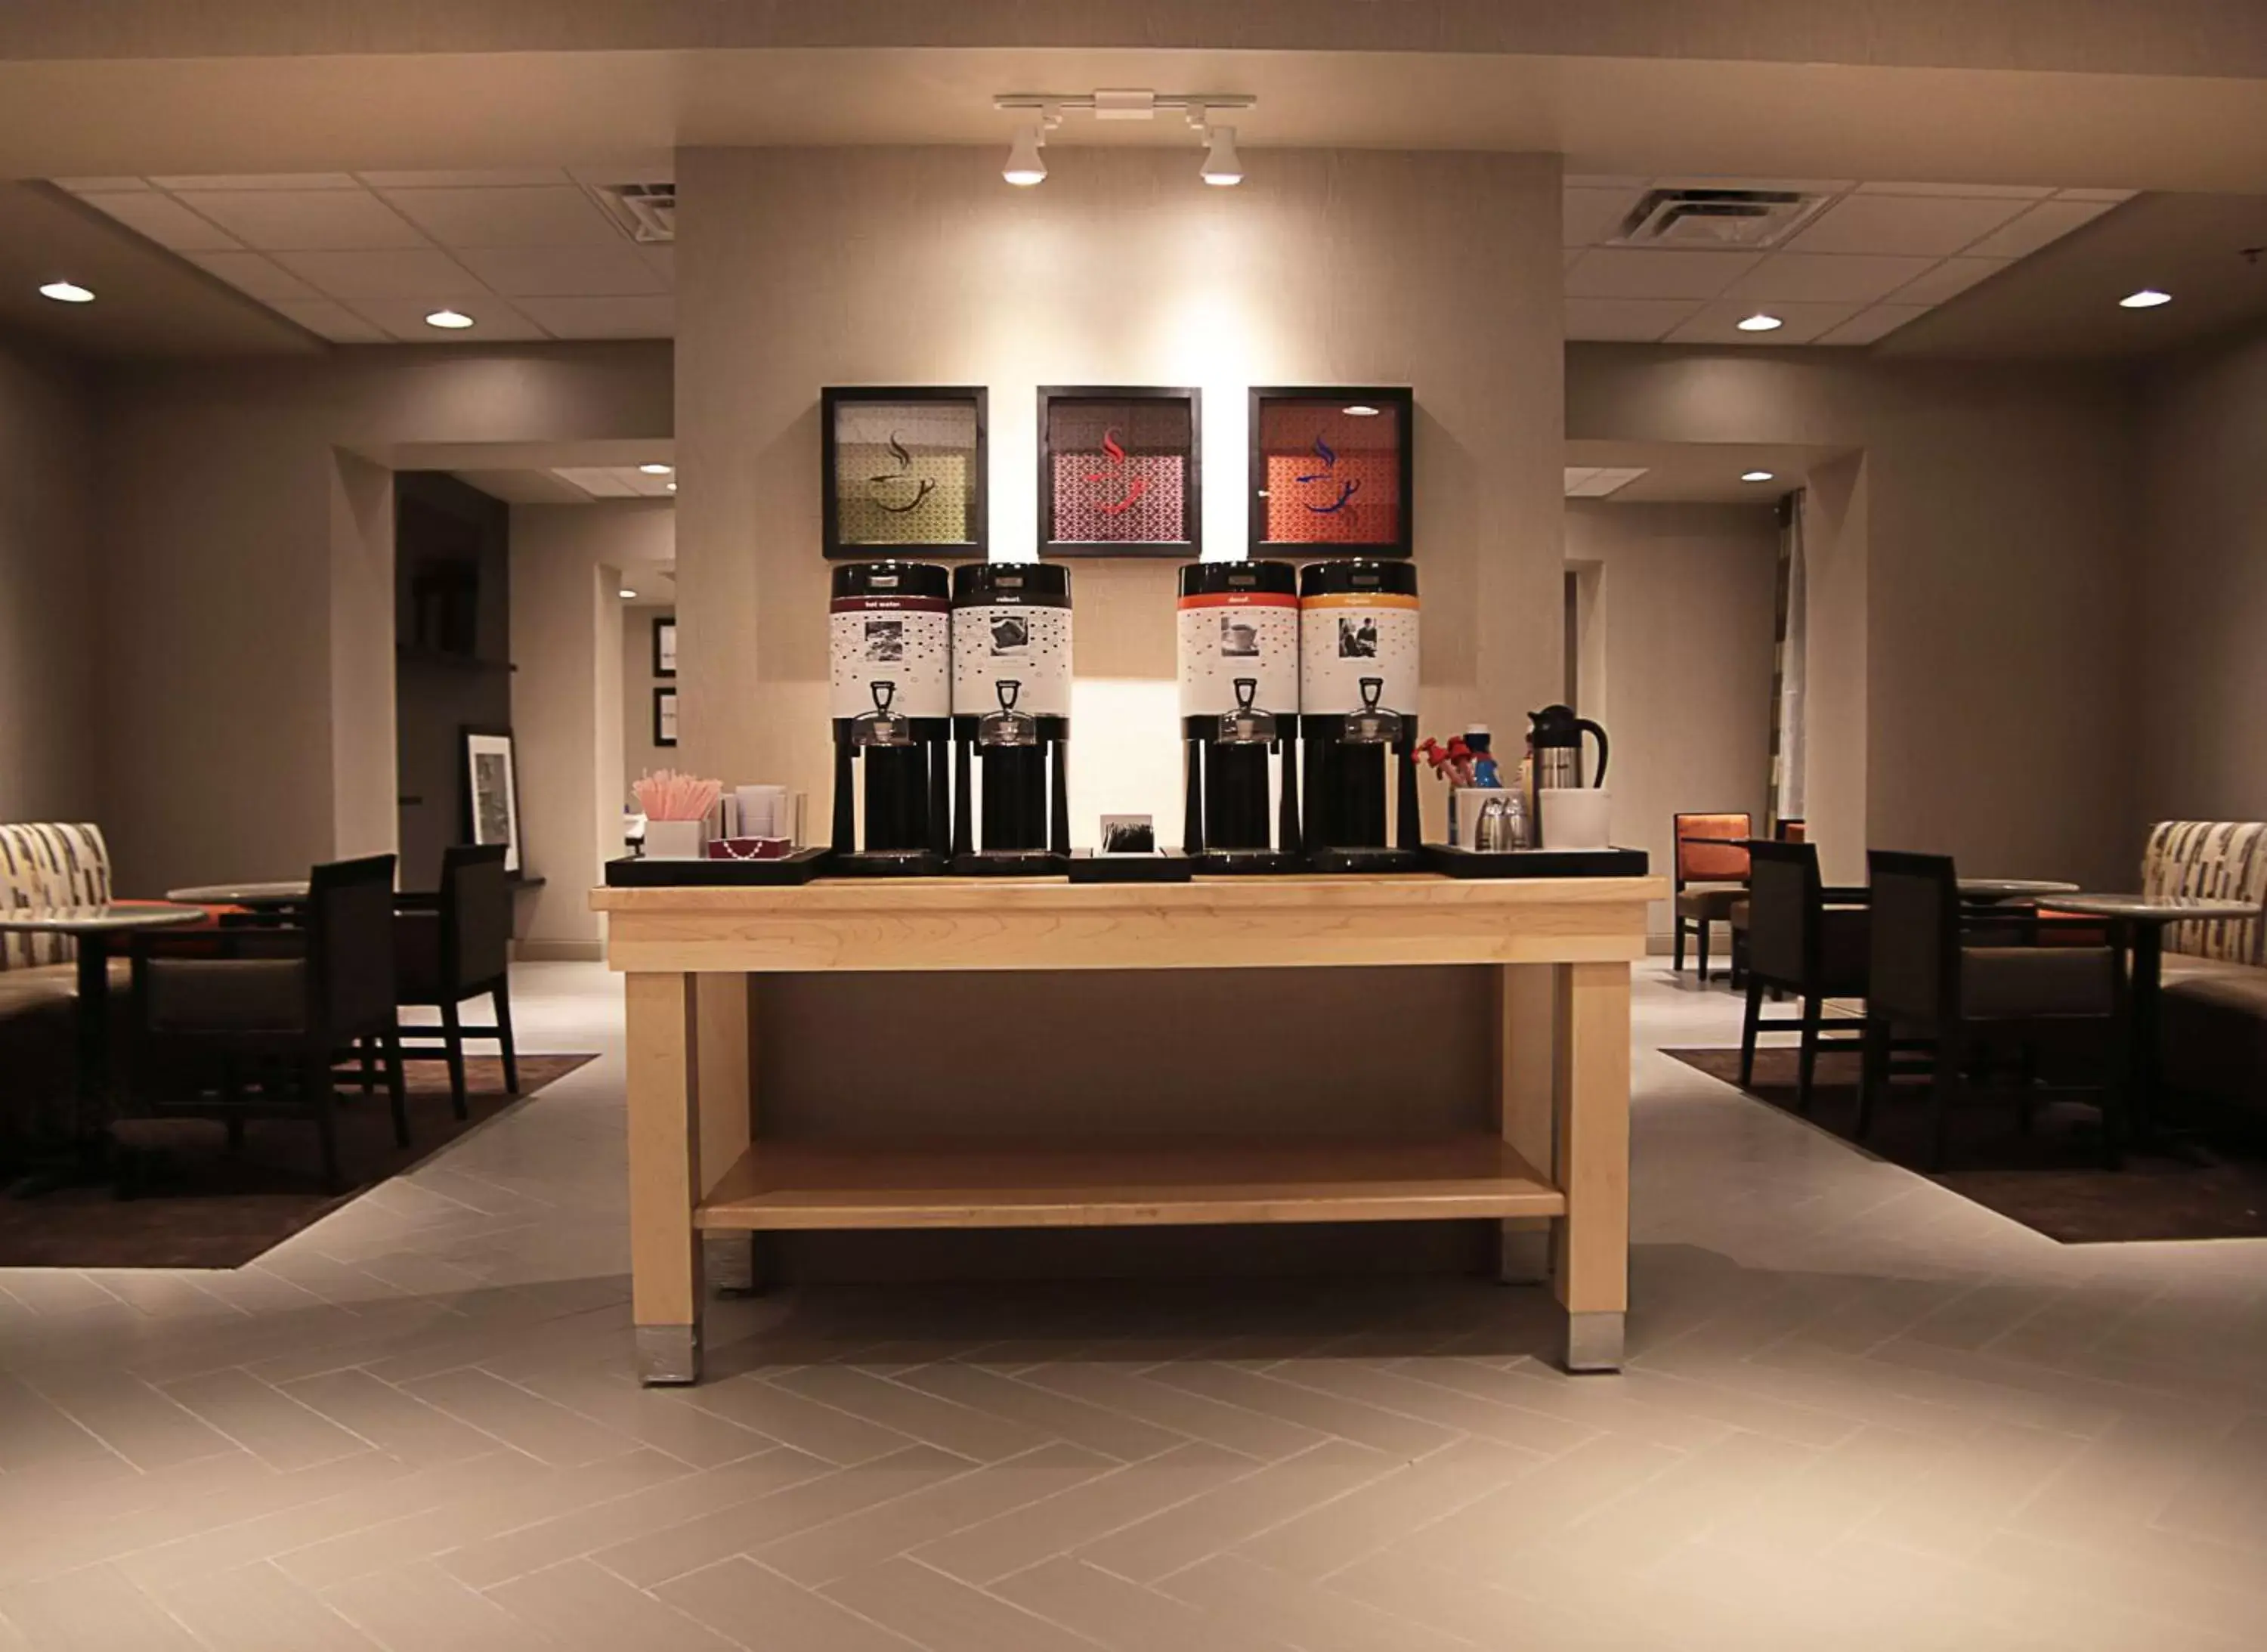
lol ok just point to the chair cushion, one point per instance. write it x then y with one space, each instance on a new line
2212 1029
248 994
1710 905
2012 983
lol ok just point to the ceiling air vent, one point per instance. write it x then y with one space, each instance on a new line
644 212
1716 217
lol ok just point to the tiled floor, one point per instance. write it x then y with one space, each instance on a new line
1860 1414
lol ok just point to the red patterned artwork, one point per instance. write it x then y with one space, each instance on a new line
1119 472
1333 477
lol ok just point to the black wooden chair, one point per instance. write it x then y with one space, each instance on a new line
1926 976
1807 940
453 945
250 1022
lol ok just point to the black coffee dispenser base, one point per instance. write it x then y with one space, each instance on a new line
1365 860
1161 866
1243 862
1011 863
887 863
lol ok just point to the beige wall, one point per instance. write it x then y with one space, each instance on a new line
247 553
2201 587
1998 512
640 754
802 268
1680 629
568 640
50 649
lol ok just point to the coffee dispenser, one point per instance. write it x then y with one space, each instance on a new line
889 677
1358 637
1010 718
1239 648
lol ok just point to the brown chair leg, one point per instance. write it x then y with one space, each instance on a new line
453 1035
1814 1010
369 1053
1874 1072
1941 1088
397 1090
1703 925
315 1079
1750 1030
1678 967
501 993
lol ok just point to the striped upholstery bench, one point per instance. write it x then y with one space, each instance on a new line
2214 1025
42 865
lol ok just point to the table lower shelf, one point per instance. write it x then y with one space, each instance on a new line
1124 1183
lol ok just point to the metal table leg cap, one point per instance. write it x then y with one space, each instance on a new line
668 1354
1594 1341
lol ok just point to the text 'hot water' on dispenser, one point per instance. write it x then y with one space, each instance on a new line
890 693
1358 686
1011 677
1239 659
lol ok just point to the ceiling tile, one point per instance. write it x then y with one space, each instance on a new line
164 220
259 181
421 273
498 323
1801 324
490 180
2112 196
1948 279
1625 321
600 481
250 273
1791 186
1826 277
602 271
660 260
1594 215
1604 181
1567 259
1916 224
330 320
604 318
1975 191
556 215
658 168
1649 272
2049 220
1878 322
99 186
309 220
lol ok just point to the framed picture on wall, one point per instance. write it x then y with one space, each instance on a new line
901 471
1332 472
492 791
1120 472
664 716
664 648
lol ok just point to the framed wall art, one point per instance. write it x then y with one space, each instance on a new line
492 791
664 716
1120 472
1332 472
902 471
664 647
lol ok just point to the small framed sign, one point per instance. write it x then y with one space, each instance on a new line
492 791
664 646
664 716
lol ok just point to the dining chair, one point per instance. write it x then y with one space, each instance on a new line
257 1031
1710 878
1926 975
1736 921
1804 939
453 945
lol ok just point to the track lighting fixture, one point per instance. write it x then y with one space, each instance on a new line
1025 165
1221 163
1043 112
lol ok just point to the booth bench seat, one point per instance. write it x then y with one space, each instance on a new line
2213 1018
44 865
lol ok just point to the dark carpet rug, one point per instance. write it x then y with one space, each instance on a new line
204 1207
2051 1180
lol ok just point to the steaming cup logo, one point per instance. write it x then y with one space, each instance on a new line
1134 486
1239 638
889 484
1328 476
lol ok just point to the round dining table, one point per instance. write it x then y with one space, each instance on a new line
1991 890
92 930
287 892
2139 922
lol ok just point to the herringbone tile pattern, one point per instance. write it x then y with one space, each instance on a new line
1860 1414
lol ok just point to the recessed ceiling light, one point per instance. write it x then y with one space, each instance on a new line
1760 322
656 470
1755 475
67 292
1025 165
2148 299
626 593
671 486
1360 410
452 320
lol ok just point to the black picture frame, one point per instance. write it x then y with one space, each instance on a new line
832 399
664 697
1402 399
1187 548
474 742
664 652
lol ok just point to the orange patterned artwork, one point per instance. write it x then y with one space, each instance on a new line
1332 472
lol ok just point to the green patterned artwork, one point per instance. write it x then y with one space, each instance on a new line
904 471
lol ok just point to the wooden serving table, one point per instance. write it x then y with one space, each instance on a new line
1558 951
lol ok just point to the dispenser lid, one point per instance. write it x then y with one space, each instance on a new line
1204 579
892 579
994 584
1358 576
